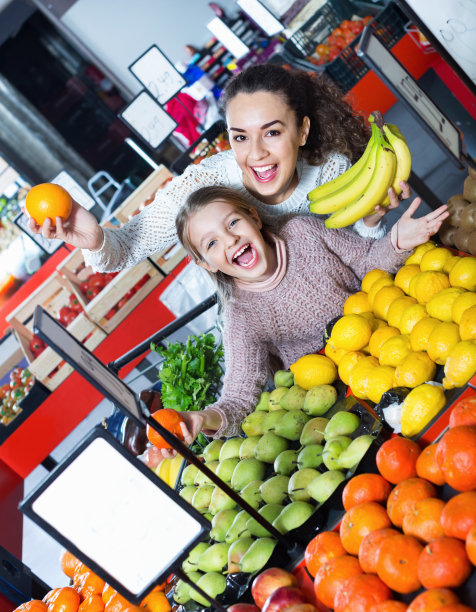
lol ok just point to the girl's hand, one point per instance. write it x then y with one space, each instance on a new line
191 427
373 219
80 229
412 232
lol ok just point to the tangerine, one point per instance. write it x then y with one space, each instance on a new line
358 522
391 605
323 547
443 563
423 520
432 599
463 412
64 599
68 563
471 545
168 418
117 603
456 607
331 576
370 547
360 592
34 605
456 456
398 563
396 459
107 592
92 604
156 601
88 584
427 466
404 496
459 515
364 488
48 201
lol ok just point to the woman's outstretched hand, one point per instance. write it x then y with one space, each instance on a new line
373 219
80 229
412 232
191 426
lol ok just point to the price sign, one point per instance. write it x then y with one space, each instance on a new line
157 74
148 119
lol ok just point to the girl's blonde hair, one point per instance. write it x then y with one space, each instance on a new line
195 202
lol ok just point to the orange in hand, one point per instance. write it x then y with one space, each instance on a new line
168 418
48 200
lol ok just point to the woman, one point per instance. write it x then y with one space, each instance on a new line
289 133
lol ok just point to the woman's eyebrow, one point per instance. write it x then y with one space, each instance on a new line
263 127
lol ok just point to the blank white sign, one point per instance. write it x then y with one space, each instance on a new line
148 119
158 75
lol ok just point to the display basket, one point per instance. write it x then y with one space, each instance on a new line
204 147
27 405
169 259
347 68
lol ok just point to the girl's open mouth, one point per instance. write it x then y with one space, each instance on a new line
245 257
264 174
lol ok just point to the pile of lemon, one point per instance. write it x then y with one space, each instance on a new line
396 330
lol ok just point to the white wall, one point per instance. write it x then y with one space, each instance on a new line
120 31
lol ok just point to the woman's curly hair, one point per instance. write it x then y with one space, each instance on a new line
335 126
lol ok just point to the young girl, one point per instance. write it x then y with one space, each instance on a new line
280 289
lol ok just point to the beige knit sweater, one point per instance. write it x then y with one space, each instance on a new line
323 268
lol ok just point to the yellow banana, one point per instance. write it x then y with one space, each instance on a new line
350 190
174 469
163 470
404 158
344 178
382 177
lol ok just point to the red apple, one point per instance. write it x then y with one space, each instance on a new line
243 607
283 599
268 581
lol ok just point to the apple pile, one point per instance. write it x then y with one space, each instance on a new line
340 37
12 392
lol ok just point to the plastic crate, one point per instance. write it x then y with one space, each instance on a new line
347 68
201 148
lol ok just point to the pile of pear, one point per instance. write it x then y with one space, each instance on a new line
291 460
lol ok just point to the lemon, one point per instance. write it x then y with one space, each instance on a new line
380 379
418 253
415 369
450 262
463 273
460 366
412 285
420 406
467 325
435 259
441 341
359 378
334 353
411 316
421 332
442 302
371 277
397 308
351 332
357 303
384 298
380 336
312 370
347 363
427 284
462 302
394 350
384 281
405 275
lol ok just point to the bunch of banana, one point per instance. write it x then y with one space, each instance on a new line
168 470
385 162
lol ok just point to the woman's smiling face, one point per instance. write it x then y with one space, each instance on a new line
265 139
230 241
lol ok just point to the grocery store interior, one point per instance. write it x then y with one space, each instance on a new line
111 101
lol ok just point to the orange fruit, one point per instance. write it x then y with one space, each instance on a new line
92 604
323 547
359 593
156 601
403 497
332 575
370 547
34 605
364 488
117 603
443 563
64 599
456 457
427 466
433 599
168 418
359 521
463 412
107 592
48 201
423 520
398 563
88 584
391 605
459 515
396 459
471 545
68 563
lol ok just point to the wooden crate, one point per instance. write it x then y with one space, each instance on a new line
125 211
75 272
48 367
170 258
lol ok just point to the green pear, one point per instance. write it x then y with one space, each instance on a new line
201 478
322 487
187 493
332 450
257 555
271 419
247 449
251 493
247 471
294 398
269 512
275 489
191 562
213 584
208 516
293 516
283 378
263 401
230 448
298 482
252 425
291 425
313 431
352 455
214 558
310 456
211 451
275 398
319 399
220 501
286 462
236 551
182 588
221 522
226 467
238 527
269 447
188 474
201 498
343 423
